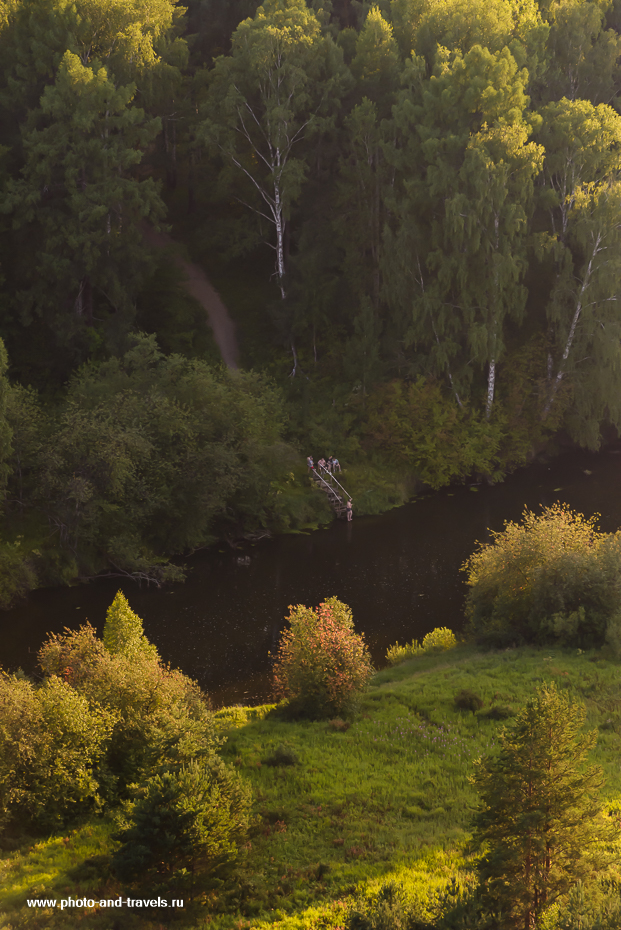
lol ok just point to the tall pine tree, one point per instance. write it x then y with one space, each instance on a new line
540 822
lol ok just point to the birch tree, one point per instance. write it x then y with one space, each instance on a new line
487 223
277 89
585 311
583 195
582 58
467 182
583 146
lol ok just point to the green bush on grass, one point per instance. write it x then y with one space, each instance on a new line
190 818
553 578
437 641
322 665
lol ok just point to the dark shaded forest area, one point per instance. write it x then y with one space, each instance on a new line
412 211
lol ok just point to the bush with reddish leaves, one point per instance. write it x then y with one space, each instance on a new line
322 665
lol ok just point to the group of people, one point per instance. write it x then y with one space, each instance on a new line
331 465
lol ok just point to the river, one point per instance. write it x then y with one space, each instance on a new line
399 572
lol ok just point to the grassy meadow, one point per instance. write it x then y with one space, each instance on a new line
340 809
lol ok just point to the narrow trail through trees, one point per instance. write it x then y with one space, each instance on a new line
199 286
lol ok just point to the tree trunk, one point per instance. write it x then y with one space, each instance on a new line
279 222
83 304
572 331
491 385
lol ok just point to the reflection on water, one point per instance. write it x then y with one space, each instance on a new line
399 572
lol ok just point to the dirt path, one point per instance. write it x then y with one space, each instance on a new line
199 287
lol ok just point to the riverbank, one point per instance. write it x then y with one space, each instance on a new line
386 798
398 571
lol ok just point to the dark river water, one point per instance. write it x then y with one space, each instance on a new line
399 572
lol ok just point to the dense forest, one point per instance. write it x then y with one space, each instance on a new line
412 210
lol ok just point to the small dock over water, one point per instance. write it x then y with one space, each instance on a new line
326 482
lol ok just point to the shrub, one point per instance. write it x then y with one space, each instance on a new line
438 640
594 905
468 700
338 725
499 712
387 909
397 653
162 716
415 424
50 745
551 579
191 818
282 755
322 665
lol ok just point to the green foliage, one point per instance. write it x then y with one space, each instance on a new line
78 207
552 578
444 207
499 712
150 454
121 36
280 85
388 909
417 425
583 145
322 665
437 640
583 57
376 63
540 822
28 426
293 505
165 308
358 812
396 654
375 484
594 904
161 716
192 818
51 743
18 574
123 632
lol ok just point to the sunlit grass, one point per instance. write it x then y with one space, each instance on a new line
387 798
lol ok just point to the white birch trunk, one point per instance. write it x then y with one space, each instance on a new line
572 330
279 223
491 385
491 371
